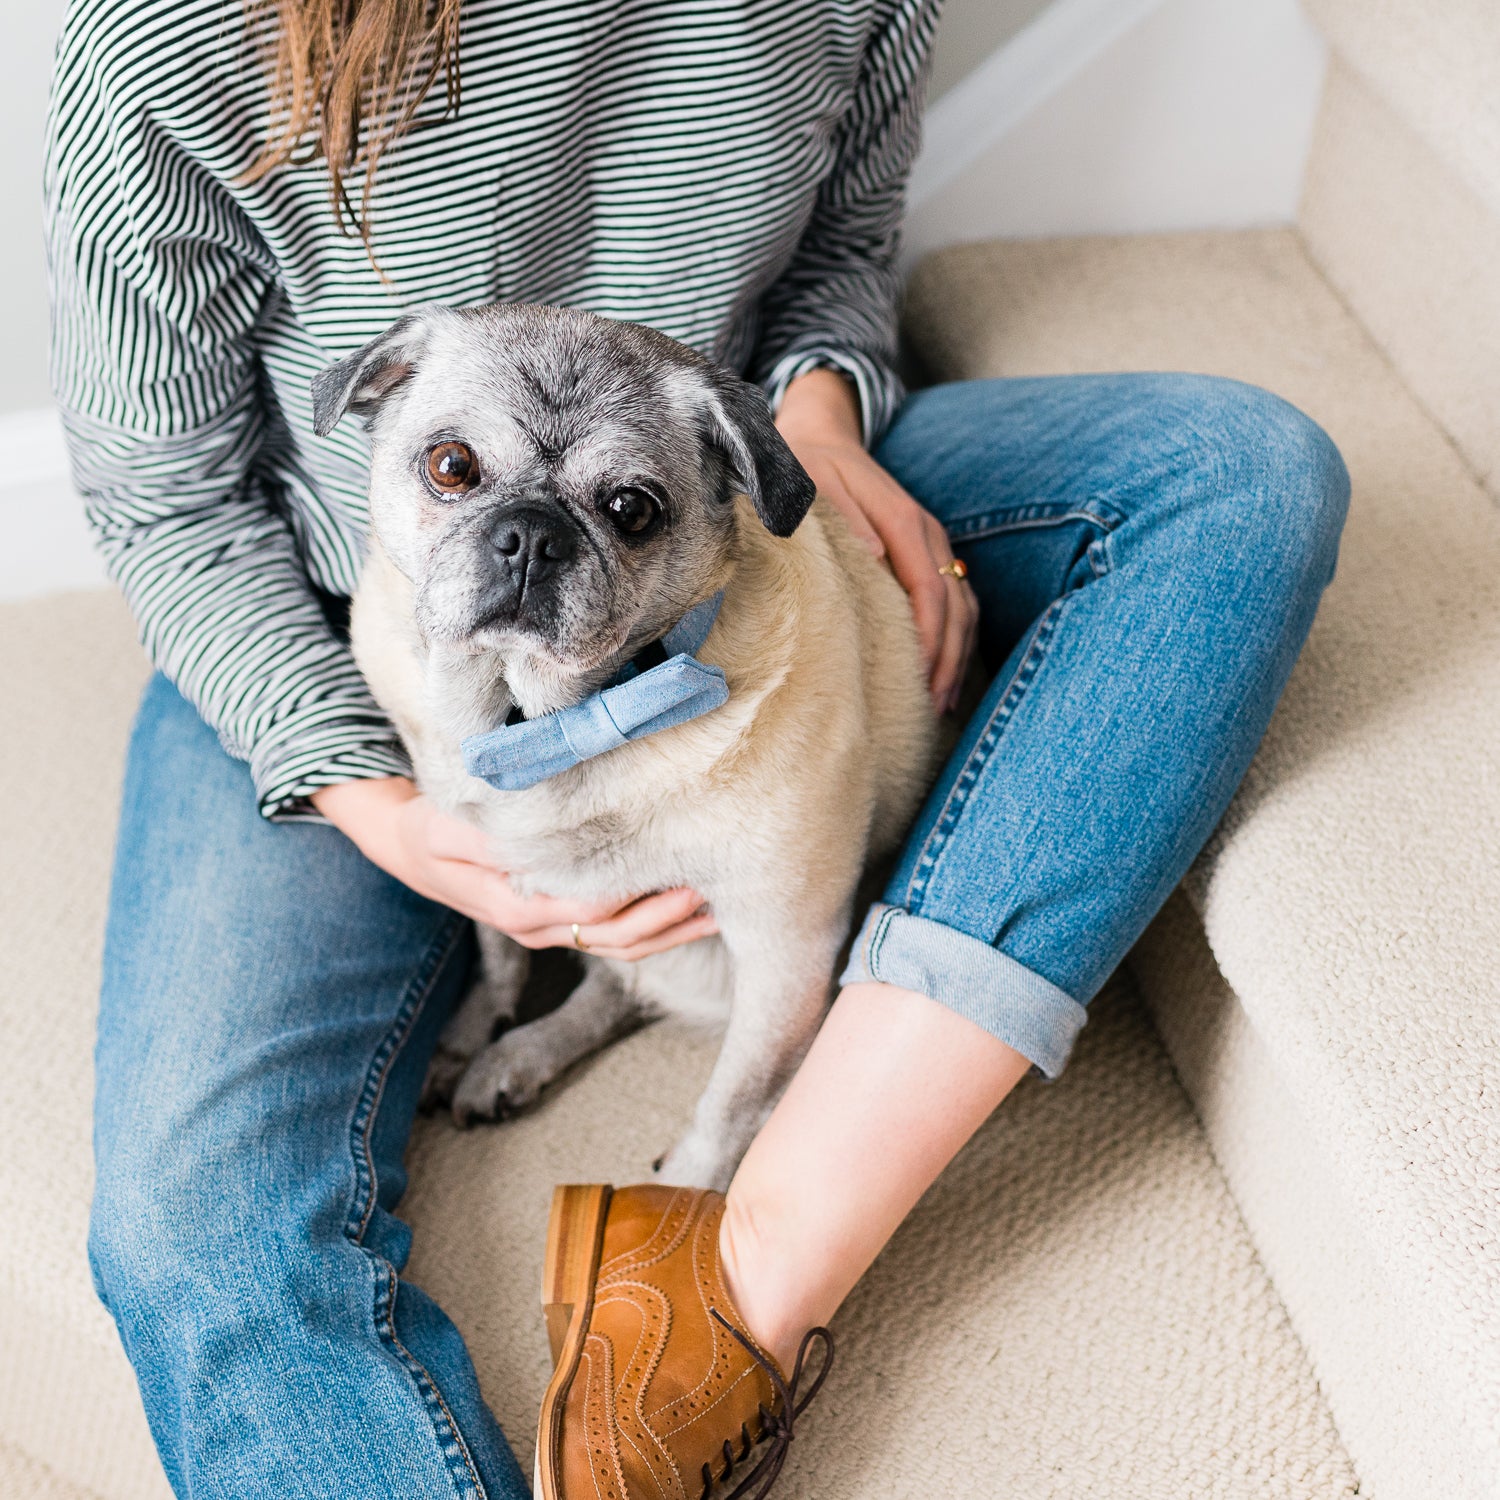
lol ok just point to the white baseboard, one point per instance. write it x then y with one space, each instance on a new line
44 544
31 448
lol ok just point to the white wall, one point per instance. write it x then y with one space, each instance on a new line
1124 117
970 31
31 27
45 543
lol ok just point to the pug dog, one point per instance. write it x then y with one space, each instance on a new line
552 492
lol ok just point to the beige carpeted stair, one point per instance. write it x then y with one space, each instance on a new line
1415 251
1339 1026
1352 899
23 1478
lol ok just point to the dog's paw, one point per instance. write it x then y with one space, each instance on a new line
443 1073
505 1078
694 1162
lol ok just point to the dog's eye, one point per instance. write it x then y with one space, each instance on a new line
632 510
453 467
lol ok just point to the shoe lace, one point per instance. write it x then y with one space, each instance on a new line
776 1424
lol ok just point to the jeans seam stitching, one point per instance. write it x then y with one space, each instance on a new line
984 747
363 1123
426 1385
418 991
877 941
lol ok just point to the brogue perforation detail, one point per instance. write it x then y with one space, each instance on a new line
672 1227
673 1397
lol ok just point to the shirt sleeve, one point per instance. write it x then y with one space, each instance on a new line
834 306
157 291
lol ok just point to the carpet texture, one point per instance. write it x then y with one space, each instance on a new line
1351 898
1307 1231
22 1478
70 674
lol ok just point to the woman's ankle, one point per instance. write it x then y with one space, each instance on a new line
756 1269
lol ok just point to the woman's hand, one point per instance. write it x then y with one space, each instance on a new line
819 418
448 860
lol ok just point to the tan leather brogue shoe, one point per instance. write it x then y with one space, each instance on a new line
658 1392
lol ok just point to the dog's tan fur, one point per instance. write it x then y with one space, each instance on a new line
771 806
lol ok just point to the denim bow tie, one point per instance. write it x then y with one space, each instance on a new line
662 685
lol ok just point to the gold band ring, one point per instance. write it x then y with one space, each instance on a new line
578 941
958 568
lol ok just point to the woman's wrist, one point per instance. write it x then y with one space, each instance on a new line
821 407
363 811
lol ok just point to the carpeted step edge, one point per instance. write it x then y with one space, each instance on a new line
1401 1404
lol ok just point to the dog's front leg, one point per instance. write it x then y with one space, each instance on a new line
511 1072
492 1002
780 994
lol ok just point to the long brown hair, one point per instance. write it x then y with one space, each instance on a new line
346 77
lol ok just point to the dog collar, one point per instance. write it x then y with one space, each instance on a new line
662 685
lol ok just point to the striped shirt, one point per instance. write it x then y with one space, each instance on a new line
729 171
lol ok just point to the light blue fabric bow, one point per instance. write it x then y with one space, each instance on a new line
641 700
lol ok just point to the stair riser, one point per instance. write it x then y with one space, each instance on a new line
1416 254
1437 67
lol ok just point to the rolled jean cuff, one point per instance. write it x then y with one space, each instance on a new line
1013 1004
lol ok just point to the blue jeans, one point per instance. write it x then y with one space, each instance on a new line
1149 552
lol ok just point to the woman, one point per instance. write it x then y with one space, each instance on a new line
234 201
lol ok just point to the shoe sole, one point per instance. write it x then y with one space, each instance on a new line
575 1239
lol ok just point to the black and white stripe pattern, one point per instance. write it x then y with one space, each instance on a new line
729 171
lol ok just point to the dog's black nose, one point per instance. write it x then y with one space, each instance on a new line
532 544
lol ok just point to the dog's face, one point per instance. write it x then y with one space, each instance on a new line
559 488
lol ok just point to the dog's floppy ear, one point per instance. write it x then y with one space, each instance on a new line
363 380
740 426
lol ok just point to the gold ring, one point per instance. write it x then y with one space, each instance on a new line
578 941
958 568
